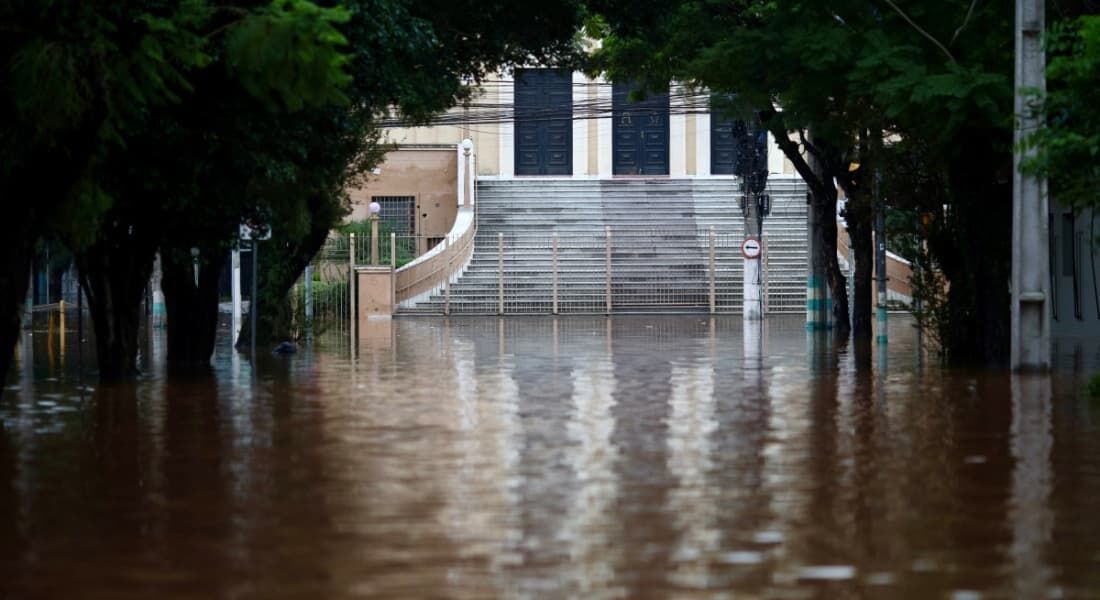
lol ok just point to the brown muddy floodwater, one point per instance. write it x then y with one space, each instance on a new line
638 457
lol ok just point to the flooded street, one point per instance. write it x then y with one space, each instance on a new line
636 457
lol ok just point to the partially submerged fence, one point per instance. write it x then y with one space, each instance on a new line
622 270
321 299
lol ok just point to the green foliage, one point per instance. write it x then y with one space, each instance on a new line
1093 388
406 251
292 52
932 307
921 94
1068 148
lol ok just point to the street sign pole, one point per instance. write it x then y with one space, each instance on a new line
254 302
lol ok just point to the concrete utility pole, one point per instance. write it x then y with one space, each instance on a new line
1030 235
751 301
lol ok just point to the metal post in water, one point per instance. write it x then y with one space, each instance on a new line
607 266
28 313
880 261
554 273
61 326
764 269
500 273
393 270
447 290
352 308
254 301
235 289
79 321
711 269
309 301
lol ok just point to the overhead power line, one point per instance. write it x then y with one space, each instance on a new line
681 102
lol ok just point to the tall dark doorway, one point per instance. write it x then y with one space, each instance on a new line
640 132
725 137
544 122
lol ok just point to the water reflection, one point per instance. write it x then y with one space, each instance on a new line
584 457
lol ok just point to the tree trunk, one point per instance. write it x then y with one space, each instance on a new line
14 276
113 275
192 312
820 180
859 217
824 205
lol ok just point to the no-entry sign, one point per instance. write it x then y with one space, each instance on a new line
750 248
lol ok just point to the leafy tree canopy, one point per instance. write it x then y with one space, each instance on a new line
1069 146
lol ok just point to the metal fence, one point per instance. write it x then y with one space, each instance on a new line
622 270
321 298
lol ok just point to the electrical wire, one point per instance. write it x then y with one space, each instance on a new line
679 102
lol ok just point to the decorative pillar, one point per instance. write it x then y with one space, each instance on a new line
677 132
508 127
603 127
580 126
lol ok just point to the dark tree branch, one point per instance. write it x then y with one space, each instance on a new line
921 30
966 21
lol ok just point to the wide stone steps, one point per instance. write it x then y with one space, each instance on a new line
660 247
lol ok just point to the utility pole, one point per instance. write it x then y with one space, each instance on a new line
753 170
1031 291
751 301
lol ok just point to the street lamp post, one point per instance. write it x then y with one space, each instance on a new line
375 208
466 175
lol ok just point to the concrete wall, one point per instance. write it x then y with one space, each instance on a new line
431 175
485 136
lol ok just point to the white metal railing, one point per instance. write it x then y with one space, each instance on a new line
435 270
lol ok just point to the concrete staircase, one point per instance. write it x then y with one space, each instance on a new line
659 248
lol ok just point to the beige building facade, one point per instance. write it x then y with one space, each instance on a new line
592 141
546 123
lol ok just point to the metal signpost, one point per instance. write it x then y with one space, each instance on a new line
254 233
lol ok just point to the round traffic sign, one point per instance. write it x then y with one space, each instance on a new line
750 248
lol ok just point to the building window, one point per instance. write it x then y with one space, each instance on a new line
399 212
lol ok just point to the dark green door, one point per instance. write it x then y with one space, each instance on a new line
544 122
640 132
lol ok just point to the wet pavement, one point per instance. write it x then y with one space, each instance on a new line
637 457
